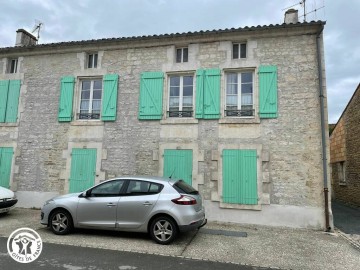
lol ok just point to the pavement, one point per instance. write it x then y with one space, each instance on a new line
258 246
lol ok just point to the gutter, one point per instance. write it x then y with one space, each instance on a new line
323 132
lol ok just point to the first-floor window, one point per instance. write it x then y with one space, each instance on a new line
92 60
181 96
90 99
341 172
239 94
13 66
182 55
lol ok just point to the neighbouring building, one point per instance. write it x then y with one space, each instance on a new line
345 154
234 112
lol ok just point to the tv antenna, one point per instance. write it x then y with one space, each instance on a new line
302 3
37 28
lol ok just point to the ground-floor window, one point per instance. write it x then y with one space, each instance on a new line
6 154
239 174
178 164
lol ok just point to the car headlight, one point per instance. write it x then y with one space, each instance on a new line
49 202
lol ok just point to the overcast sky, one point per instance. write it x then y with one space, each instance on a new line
69 20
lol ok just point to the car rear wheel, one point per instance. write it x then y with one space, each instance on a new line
61 222
163 230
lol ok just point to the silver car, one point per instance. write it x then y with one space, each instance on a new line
162 207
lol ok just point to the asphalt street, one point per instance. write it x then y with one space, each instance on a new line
56 256
346 218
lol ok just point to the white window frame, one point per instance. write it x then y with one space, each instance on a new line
16 64
239 50
181 94
91 64
182 54
91 99
239 92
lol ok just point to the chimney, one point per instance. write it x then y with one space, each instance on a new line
291 16
24 38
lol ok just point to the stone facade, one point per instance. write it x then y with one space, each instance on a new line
289 160
344 151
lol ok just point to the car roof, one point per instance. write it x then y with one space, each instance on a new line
156 179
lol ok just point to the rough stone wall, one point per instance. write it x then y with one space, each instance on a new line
292 170
346 139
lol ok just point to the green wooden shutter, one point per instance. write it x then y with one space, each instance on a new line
178 164
200 74
109 102
83 169
240 176
4 88
6 154
151 95
268 92
208 94
66 99
13 101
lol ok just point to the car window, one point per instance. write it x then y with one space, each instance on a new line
182 187
111 188
142 188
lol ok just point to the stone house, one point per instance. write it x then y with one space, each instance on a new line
345 155
234 112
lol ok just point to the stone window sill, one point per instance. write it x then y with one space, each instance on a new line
87 123
342 184
177 121
237 120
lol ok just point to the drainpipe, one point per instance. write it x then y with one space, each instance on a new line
323 133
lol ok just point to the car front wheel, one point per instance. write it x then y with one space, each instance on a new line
163 230
61 222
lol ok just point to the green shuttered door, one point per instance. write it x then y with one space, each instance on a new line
151 95
83 169
178 164
9 101
6 154
208 93
109 97
66 99
240 176
268 92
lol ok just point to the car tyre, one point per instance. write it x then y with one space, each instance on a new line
163 230
61 222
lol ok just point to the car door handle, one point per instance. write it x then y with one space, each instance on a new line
111 204
147 203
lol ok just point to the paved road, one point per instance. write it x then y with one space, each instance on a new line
346 218
57 257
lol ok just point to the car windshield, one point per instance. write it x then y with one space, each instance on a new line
183 187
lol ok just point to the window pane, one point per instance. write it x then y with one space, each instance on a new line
188 91
86 85
95 60
175 81
109 188
246 99
97 84
96 105
232 89
90 61
97 94
185 54
84 105
235 51
187 101
13 66
178 55
174 91
246 88
188 80
85 94
232 78
174 102
231 100
246 77
243 50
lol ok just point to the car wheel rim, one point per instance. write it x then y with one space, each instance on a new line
60 222
163 230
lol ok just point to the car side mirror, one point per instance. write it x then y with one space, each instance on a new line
85 194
